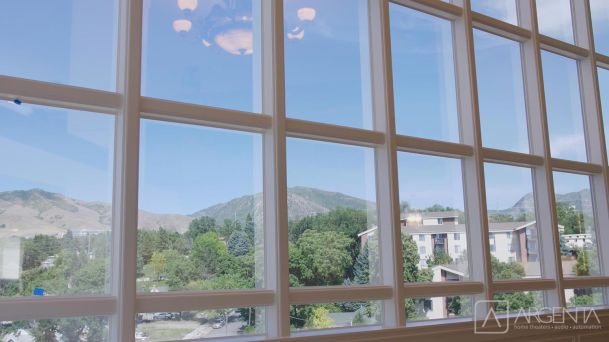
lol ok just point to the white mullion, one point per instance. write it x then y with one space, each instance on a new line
274 174
473 169
158 109
333 133
436 8
434 147
543 184
32 308
594 129
59 95
390 242
499 27
126 163
187 301
337 294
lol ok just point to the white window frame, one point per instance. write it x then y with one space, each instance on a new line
129 107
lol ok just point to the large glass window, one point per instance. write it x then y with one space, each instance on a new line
432 205
603 83
504 10
201 52
335 315
326 63
423 75
554 19
501 93
55 201
195 325
563 107
424 309
511 221
332 211
600 24
69 41
201 209
62 329
576 225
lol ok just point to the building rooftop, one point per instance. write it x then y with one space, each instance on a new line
431 214
461 228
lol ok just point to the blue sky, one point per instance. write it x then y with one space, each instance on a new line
186 168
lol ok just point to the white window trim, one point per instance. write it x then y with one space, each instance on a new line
129 107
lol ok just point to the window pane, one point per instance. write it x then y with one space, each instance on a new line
194 325
332 211
584 297
423 75
335 315
554 19
600 24
201 210
511 222
501 93
574 208
202 54
55 200
432 207
423 309
563 106
603 83
63 329
504 10
528 301
326 66
69 41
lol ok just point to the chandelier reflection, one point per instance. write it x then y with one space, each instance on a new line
227 24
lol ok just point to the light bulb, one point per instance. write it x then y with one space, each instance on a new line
182 25
306 13
188 4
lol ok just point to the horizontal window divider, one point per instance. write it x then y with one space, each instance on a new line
441 289
185 301
562 48
585 282
500 28
59 95
158 109
319 131
511 158
435 147
576 167
602 60
434 7
329 334
32 308
333 294
502 286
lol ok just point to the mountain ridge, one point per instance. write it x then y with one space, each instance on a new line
25 213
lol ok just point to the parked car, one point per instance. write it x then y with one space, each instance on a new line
218 323
165 316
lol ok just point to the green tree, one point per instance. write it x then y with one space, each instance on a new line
506 270
250 228
571 218
439 258
239 243
158 263
587 262
200 225
179 270
38 249
319 319
91 279
324 257
206 253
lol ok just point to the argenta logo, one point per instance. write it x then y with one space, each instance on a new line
491 323
531 319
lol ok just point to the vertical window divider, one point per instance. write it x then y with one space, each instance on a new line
593 126
473 168
386 162
274 169
543 183
126 163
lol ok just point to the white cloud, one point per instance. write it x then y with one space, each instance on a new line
567 145
554 18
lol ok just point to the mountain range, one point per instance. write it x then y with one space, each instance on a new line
25 213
